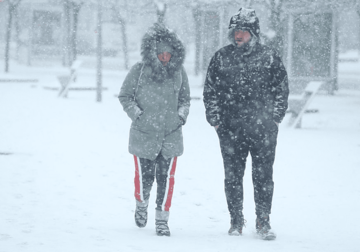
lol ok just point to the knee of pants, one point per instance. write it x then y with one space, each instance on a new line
160 178
234 171
233 181
262 172
269 185
265 186
148 179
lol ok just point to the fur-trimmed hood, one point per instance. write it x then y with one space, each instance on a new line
155 34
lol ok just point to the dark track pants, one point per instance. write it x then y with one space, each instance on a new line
145 173
235 147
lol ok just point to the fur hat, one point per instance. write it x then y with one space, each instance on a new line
163 47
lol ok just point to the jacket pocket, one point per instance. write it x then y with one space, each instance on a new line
174 130
139 129
143 144
146 122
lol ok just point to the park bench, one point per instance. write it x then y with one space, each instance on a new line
67 80
298 104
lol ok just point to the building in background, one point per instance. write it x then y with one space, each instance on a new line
41 33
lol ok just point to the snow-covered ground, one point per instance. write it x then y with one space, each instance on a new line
66 183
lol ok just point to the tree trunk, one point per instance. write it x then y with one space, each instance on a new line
249 3
197 18
275 24
12 8
29 43
125 48
66 47
8 37
122 23
17 34
160 12
358 12
99 53
76 9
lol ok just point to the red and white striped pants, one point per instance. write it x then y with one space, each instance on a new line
145 173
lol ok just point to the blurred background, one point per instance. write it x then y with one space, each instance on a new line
66 178
312 36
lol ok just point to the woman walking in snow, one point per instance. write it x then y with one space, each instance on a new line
156 96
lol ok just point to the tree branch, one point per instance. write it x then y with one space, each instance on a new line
118 16
267 3
249 3
14 4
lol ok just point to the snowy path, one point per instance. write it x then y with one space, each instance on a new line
68 186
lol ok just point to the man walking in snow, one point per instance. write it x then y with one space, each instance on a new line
156 96
245 96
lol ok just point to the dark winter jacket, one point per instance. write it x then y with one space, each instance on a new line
249 88
157 98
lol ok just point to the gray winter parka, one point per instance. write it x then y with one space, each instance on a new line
157 98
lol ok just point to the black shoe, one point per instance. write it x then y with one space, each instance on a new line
141 216
263 228
237 224
162 228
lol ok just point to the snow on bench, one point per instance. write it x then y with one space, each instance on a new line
66 80
298 103
18 80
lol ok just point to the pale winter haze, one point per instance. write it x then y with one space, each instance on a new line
67 183
67 179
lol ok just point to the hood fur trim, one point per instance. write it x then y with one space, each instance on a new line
156 34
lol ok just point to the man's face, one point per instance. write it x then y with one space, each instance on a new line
242 37
164 57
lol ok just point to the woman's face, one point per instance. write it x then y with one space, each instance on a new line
164 57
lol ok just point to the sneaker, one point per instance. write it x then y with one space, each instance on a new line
141 216
263 228
237 224
162 228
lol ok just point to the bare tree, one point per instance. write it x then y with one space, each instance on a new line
122 21
358 12
99 51
196 11
13 5
275 8
71 21
67 31
160 11
249 3
75 6
17 34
